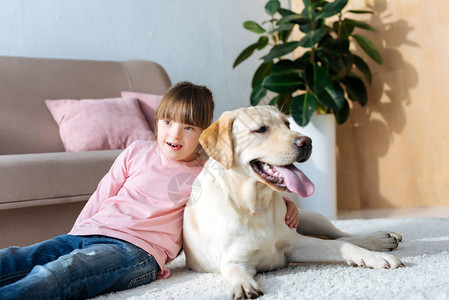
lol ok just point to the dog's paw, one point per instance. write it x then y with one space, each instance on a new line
378 241
247 290
376 260
396 235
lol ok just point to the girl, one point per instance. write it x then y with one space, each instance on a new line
132 224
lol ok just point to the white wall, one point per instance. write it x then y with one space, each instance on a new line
195 40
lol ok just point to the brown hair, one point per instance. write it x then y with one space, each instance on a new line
186 103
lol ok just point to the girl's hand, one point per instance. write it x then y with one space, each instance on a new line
292 215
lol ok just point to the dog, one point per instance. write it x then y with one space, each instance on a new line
234 222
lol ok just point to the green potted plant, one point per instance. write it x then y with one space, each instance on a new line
326 75
316 84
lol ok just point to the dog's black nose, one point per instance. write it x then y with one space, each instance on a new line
304 145
303 142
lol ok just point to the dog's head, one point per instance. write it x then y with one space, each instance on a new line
258 141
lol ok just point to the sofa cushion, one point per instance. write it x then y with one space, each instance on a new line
35 179
105 124
148 104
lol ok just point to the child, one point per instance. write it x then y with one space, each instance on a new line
132 224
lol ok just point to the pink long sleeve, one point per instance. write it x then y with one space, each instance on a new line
141 200
108 187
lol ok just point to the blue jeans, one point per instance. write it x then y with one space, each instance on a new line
73 267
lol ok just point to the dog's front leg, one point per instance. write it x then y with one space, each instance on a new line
315 224
241 277
309 249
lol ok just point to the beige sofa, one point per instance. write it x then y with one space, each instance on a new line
43 188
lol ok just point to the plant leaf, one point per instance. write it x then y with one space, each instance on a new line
272 7
340 45
362 66
285 34
244 55
248 51
333 96
312 25
329 58
359 24
285 12
339 65
317 77
347 62
283 83
302 108
282 27
321 78
355 88
262 42
368 47
280 50
342 115
360 11
257 94
331 9
295 18
306 6
286 66
262 71
253 27
313 37
304 59
345 30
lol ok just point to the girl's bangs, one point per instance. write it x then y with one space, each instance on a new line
181 112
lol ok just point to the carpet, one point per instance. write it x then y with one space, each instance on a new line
424 251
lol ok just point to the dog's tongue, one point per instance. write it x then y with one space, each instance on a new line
296 181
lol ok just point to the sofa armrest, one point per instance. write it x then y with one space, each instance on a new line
50 178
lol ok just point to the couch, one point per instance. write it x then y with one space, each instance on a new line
42 187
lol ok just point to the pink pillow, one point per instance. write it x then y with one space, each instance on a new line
99 124
148 105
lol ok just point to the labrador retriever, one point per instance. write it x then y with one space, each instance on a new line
234 220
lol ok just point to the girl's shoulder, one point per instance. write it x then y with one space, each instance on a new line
143 144
140 147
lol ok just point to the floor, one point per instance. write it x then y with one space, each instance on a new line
398 213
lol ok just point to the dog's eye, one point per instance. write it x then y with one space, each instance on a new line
261 129
287 123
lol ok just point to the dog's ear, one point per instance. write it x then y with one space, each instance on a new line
217 140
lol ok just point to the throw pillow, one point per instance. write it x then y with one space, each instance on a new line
99 124
148 105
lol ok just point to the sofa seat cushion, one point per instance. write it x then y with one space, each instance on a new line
51 178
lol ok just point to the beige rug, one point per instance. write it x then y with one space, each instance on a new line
424 251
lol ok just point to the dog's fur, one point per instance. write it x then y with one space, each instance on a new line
234 222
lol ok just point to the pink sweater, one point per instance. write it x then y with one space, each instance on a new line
141 200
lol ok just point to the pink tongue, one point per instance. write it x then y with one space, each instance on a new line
296 181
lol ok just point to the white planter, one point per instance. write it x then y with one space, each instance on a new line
321 167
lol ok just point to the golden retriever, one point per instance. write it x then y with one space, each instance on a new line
234 222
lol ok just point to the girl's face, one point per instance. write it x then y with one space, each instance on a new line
178 141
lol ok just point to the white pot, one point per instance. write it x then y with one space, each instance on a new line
321 167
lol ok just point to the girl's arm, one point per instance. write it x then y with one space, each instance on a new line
108 187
